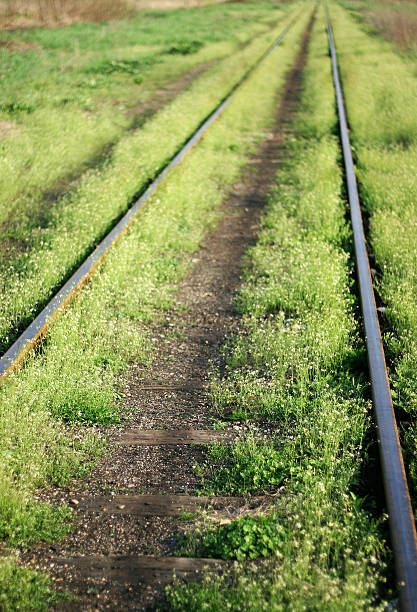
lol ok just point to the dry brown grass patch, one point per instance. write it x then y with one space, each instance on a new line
49 13
166 5
14 45
396 24
7 126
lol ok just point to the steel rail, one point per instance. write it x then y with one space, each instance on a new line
402 525
13 357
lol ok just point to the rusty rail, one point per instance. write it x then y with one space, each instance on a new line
402 525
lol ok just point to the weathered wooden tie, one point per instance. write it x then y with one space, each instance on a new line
163 505
140 569
156 437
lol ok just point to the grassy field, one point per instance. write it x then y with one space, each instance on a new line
78 376
72 112
296 365
91 79
381 110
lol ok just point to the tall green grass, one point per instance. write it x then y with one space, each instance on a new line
380 89
80 217
78 375
297 366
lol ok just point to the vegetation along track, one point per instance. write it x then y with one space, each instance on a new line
100 560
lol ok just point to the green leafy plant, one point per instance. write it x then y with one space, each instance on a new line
244 467
244 538
185 48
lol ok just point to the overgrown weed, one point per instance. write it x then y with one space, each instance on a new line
35 592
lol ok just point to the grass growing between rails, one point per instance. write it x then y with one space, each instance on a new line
71 227
381 109
296 365
78 375
244 538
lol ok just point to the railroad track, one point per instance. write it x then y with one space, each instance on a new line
13 357
160 568
402 524
101 511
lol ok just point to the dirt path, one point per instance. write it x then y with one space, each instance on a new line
121 551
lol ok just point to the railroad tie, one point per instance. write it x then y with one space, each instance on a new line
169 505
145 569
155 437
148 569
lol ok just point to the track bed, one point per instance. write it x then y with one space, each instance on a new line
218 351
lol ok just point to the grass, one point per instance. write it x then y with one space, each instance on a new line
43 239
297 365
78 375
244 468
35 591
381 108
